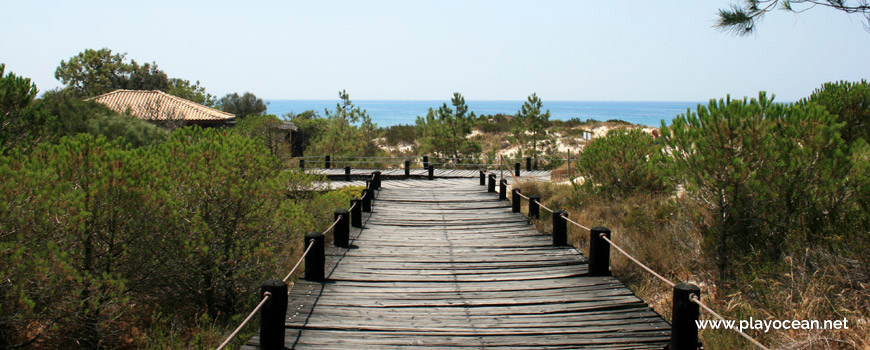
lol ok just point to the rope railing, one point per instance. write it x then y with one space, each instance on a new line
544 207
656 274
226 342
333 224
605 237
575 223
268 295
302 258
694 299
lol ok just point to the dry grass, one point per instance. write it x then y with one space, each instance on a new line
665 233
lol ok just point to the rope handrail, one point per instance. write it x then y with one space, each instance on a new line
656 274
310 244
575 223
544 207
503 163
694 299
333 224
266 297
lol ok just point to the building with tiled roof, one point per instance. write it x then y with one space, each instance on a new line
162 108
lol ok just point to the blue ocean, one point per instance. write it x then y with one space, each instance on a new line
393 112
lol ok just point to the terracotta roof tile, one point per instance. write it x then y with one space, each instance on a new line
158 105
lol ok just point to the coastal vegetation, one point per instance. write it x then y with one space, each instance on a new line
763 205
118 233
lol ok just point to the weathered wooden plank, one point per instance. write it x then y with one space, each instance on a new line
444 264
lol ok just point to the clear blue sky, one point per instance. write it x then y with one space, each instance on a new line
488 50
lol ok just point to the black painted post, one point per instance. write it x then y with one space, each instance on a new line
272 315
407 169
534 207
517 169
599 252
502 189
528 164
356 212
341 232
425 162
483 178
431 172
377 180
368 193
369 183
491 185
347 173
560 228
302 164
515 200
327 164
684 330
315 260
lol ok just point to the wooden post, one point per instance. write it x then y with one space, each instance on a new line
315 260
569 166
273 314
528 163
515 200
327 163
517 169
347 173
491 186
483 178
599 252
502 189
302 164
425 162
341 233
367 193
407 169
534 207
377 184
356 212
684 330
560 228
431 172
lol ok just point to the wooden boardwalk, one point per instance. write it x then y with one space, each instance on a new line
444 264
542 175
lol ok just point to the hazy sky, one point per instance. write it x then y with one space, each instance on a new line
420 49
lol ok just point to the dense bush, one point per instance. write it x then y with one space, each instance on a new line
771 174
397 134
97 238
850 102
496 123
267 130
20 121
619 163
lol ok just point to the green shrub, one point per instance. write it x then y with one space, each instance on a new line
619 163
772 175
397 134
136 132
850 102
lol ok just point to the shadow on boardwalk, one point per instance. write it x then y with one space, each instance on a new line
444 264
